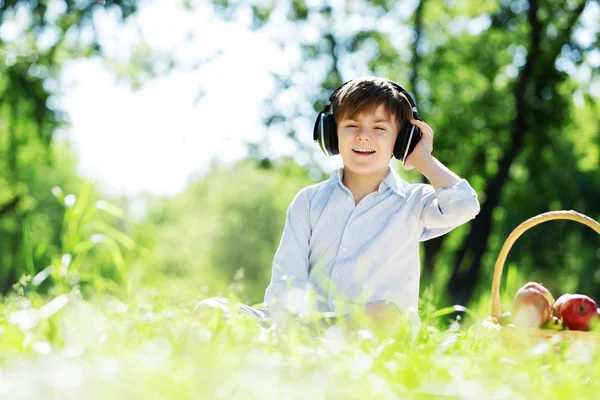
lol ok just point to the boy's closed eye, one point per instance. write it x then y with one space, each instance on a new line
381 128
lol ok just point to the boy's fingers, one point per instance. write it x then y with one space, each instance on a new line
423 125
430 130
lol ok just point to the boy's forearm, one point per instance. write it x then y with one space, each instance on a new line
437 173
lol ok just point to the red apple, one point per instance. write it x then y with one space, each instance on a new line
578 312
542 289
559 303
530 308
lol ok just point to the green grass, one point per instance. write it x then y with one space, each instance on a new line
153 348
146 343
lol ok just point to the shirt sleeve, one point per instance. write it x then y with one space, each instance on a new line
443 209
289 278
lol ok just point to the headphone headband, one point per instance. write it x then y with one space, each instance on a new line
407 94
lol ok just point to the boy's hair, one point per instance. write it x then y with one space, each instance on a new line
367 93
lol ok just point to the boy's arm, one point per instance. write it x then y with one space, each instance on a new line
437 173
452 202
289 279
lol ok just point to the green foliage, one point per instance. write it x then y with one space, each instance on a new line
85 229
299 10
152 347
497 82
261 14
92 255
31 163
486 77
76 322
228 222
30 232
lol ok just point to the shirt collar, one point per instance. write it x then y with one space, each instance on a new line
392 180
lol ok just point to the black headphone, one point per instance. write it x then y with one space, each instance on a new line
325 130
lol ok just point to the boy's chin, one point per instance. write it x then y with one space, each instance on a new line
366 169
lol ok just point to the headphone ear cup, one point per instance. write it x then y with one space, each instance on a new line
316 128
399 142
325 134
330 135
320 132
408 137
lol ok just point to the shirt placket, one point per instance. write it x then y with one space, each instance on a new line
337 271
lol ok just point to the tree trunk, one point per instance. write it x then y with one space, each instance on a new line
433 246
462 282
416 58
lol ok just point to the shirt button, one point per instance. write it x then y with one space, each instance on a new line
345 250
337 276
349 198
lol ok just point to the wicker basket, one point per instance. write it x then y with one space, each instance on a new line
518 231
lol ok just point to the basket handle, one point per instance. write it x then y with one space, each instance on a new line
518 231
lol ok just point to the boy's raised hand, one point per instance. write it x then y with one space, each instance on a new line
422 152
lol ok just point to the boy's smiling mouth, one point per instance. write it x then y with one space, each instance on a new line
363 152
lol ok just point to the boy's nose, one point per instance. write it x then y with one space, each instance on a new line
364 134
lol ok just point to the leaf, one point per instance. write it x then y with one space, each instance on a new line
113 233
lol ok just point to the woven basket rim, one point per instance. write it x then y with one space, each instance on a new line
572 215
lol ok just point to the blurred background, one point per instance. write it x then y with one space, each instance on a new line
159 143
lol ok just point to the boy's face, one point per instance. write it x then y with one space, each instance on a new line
368 131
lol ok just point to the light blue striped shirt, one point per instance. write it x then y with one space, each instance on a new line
335 256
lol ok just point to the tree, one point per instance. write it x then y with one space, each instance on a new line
226 224
495 80
38 38
530 112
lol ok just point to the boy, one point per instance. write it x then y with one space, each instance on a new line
350 244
